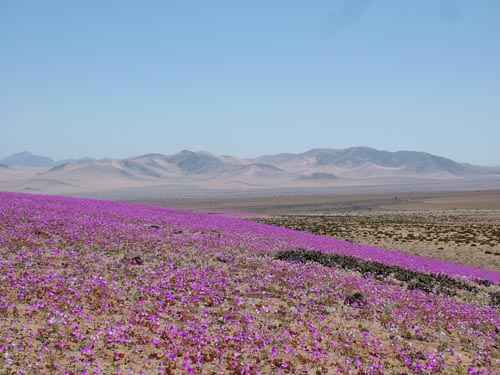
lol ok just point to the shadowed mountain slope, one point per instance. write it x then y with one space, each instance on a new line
27 159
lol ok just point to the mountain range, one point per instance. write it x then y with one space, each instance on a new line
204 170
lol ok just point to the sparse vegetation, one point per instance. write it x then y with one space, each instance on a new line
469 238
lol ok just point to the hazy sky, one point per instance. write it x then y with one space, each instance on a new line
121 78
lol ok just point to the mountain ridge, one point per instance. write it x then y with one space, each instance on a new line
204 170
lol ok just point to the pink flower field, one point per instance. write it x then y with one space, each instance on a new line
98 287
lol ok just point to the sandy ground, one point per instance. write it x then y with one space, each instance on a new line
278 204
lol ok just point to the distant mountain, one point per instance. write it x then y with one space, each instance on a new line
276 159
318 176
367 160
196 162
253 173
203 170
81 160
27 159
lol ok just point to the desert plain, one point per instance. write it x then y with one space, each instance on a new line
455 226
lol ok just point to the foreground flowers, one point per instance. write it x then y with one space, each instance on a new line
208 296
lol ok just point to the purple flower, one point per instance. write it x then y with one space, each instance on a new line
86 350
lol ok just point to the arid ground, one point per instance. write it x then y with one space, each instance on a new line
101 287
459 226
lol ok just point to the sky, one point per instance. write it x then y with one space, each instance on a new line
106 78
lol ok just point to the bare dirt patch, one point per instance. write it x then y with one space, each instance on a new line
343 202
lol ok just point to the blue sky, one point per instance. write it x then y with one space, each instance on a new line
121 78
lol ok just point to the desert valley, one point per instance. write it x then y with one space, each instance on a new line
202 173
388 266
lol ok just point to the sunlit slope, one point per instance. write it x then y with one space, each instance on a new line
96 287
